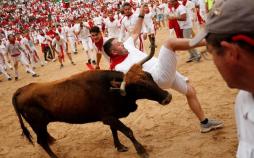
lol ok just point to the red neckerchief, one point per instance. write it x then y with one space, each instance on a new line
116 59
128 16
60 30
28 37
90 23
184 2
99 44
11 42
177 5
112 19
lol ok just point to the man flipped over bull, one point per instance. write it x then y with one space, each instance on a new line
42 103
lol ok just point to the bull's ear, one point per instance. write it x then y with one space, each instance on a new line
115 84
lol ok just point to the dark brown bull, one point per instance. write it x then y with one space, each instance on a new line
87 97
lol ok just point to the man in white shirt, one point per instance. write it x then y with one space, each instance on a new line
2 62
60 45
98 20
163 69
72 37
230 40
14 50
127 26
83 35
183 18
112 26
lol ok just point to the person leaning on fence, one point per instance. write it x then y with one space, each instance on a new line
229 34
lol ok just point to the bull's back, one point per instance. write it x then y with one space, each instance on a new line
81 97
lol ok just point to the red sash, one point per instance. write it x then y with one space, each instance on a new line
174 24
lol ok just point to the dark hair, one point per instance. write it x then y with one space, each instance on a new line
95 29
215 40
107 46
126 4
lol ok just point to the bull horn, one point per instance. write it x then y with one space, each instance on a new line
152 51
122 88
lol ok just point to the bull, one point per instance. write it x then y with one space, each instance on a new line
100 95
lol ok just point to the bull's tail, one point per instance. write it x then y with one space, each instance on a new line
25 130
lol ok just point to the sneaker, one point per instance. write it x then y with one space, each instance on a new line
73 63
190 59
89 61
35 75
16 78
94 62
211 125
197 58
9 79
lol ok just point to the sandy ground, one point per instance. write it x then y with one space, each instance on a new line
169 131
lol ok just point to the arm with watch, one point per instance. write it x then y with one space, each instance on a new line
138 26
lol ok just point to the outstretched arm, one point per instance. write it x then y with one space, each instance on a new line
181 44
138 25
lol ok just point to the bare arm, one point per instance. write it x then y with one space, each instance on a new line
138 25
181 44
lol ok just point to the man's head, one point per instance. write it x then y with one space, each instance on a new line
229 33
11 38
127 9
96 34
146 8
114 47
57 36
173 2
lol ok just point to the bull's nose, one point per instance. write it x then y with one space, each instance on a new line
167 100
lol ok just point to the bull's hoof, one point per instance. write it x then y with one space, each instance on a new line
122 148
144 155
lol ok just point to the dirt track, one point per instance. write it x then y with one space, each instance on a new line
169 131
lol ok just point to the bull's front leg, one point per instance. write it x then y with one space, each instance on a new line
118 125
120 147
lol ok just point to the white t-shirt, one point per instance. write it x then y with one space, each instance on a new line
160 9
244 110
2 49
70 31
190 6
84 32
134 56
183 24
62 42
148 22
24 43
113 28
14 49
98 20
162 69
